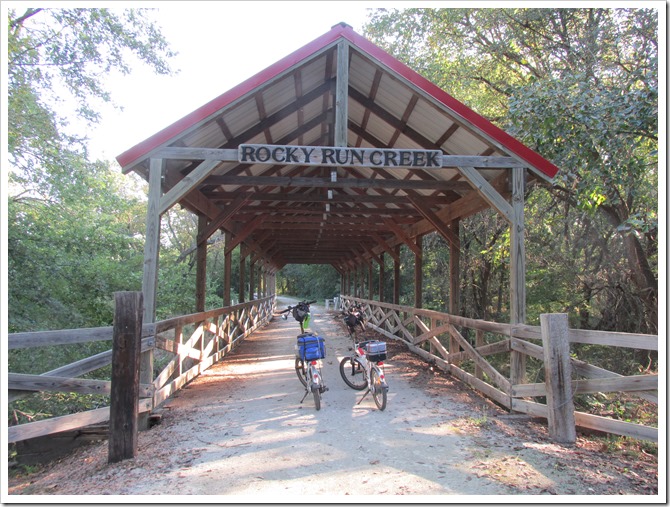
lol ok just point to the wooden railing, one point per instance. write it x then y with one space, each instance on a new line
190 345
442 334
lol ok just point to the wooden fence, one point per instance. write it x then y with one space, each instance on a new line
191 344
448 349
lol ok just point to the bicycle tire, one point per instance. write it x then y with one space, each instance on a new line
378 389
353 373
301 371
317 396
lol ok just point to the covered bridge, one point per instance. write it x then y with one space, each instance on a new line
337 154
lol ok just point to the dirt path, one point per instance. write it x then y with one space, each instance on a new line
239 431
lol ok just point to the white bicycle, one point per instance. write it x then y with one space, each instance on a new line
365 368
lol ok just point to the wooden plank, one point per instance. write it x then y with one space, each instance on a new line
232 155
64 423
623 428
617 384
607 338
175 153
26 382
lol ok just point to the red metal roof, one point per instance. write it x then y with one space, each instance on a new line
509 143
299 213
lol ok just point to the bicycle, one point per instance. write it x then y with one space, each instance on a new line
300 313
310 349
365 368
354 318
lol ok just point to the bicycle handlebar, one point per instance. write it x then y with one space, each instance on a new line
303 302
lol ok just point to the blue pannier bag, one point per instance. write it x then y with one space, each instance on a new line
310 347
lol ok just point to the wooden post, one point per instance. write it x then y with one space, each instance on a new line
125 390
201 268
382 263
454 272
418 273
396 277
244 251
558 377
517 271
370 290
227 269
150 273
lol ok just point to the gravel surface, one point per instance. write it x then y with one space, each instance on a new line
238 434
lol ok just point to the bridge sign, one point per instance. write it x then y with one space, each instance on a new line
336 156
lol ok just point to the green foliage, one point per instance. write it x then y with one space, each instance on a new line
58 57
311 282
580 86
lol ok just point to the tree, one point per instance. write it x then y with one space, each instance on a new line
55 55
580 86
75 227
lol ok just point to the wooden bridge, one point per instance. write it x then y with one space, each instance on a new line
188 345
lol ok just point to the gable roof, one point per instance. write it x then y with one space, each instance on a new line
292 102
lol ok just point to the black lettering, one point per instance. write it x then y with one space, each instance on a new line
263 154
276 154
375 157
342 159
247 154
419 159
405 158
308 153
327 156
357 155
291 155
390 156
434 159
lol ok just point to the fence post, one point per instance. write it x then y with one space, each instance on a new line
125 390
558 377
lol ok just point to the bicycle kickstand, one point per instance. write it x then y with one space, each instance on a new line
306 393
363 397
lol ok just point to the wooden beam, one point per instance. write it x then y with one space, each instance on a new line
403 236
221 218
439 225
341 95
486 190
186 185
315 182
243 234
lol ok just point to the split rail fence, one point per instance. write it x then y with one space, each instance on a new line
448 349
192 343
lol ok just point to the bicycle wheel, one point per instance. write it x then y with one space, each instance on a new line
378 389
353 373
301 371
317 396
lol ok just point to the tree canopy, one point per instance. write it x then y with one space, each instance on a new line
580 86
